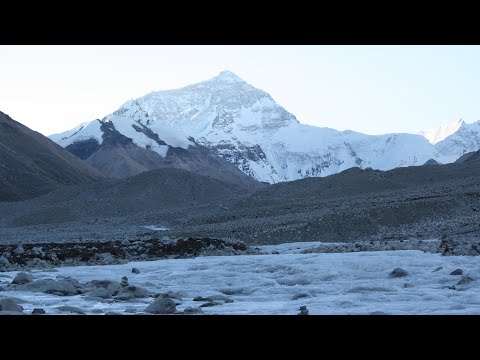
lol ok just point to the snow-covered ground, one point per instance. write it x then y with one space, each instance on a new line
341 283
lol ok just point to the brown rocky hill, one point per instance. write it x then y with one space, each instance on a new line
33 165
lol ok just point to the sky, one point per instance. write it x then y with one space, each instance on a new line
370 89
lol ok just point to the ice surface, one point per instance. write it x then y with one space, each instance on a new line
158 228
341 283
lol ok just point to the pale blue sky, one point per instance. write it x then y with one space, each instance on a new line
371 89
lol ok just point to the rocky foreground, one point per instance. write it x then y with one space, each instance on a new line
207 275
294 278
29 256
48 255
96 290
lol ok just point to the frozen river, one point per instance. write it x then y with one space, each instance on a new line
334 283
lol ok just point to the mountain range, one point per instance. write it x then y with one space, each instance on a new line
222 125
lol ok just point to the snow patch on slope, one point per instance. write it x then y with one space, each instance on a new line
68 133
84 131
133 114
124 126
442 132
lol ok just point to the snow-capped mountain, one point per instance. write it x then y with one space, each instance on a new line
465 139
442 132
245 126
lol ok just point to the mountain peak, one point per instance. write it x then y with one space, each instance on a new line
459 122
226 75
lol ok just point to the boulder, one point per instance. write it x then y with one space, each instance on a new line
22 278
201 298
135 271
457 272
162 306
71 309
38 311
132 292
74 282
8 304
211 303
110 285
465 280
50 286
398 272
67 287
101 293
190 310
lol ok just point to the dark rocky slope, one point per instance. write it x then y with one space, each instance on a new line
157 191
32 165
421 202
413 202
469 157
